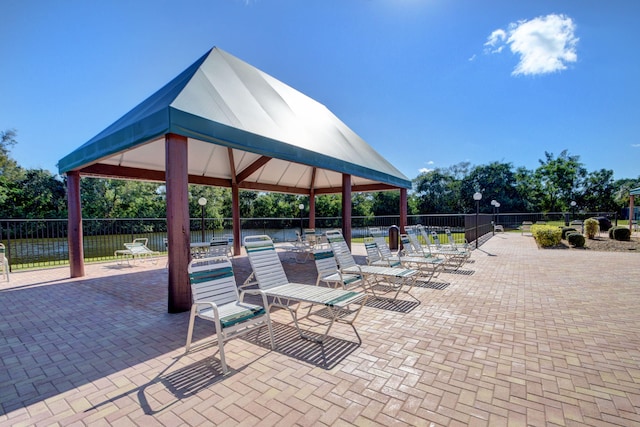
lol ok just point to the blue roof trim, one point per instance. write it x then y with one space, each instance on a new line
192 126
635 191
122 139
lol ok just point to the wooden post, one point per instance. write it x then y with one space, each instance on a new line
178 227
235 214
403 209
74 232
346 208
312 209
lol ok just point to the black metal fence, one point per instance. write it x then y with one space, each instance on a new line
43 242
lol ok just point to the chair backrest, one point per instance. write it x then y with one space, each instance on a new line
412 233
340 249
325 262
383 247
452 241
407 247
218 247
137 247
212 279
436 239
142 240
425 236
376 231
3 251
373 254
265 262
310 236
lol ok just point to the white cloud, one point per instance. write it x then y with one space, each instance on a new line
424 170
545 44
635 145
495 42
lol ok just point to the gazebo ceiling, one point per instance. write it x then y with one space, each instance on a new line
241 124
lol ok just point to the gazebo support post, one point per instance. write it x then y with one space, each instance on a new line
403 209
346 208
312 209
74 234
178 227
235 214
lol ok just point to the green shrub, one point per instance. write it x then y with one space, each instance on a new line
620 233
575 239
566 230
546 235
591 227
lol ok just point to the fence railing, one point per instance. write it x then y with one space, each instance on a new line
43 242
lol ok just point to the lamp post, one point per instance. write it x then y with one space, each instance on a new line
477 196
573 209
301 207
202 202
495 221
497 212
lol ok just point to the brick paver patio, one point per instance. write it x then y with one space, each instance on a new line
519 336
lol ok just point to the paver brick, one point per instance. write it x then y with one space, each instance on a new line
521 338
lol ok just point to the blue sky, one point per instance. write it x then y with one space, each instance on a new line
427 83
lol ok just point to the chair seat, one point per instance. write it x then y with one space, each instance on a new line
345 279
234 313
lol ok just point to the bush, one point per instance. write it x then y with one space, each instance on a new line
567 230
620 233
575 239
546 235
591 227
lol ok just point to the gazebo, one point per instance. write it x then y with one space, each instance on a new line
223 122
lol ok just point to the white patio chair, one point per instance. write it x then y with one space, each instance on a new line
272 281
4 262
390 279
216 299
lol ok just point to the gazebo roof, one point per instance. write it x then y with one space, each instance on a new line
635 191
239 121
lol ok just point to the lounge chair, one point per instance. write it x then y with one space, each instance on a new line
272 282
137 250
302 248
525 227
392 279
452 241
329 273
452 257
375 257
216 299
4 262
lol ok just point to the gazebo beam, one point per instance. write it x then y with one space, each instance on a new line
249 170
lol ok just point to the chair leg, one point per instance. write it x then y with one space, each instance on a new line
220 336
192 319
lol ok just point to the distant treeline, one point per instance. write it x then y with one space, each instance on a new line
36 193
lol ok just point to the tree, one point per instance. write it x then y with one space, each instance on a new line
9 168
598 193
496 181
435 191
560 179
